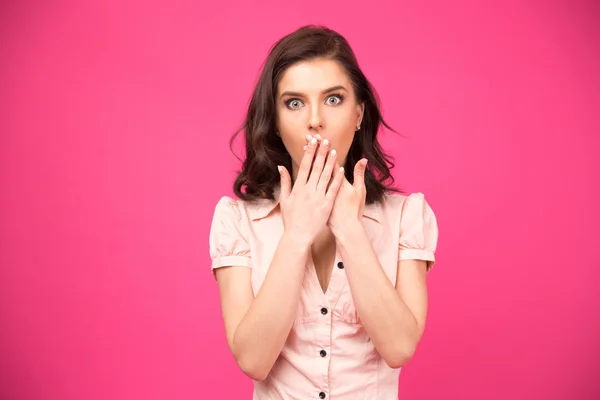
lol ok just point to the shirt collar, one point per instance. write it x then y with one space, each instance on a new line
262 208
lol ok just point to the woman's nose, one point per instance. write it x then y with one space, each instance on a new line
315 126
315 123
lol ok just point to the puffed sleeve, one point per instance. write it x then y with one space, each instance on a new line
418 231
228 245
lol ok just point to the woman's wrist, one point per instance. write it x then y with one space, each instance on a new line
347 231
296 241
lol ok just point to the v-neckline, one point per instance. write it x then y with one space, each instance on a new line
328 269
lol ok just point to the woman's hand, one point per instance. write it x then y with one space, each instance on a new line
350 200
306 207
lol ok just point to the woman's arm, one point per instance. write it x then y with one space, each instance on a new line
394 318
257 328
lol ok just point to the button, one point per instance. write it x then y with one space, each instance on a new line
322 395
324 311
323 353
341 265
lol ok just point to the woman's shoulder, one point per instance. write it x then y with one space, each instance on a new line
244 208
407 204
400 200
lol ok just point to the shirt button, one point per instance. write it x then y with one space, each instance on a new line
323 353
324 311
341 265
322 395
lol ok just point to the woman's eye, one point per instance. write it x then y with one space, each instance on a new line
294 104
334 100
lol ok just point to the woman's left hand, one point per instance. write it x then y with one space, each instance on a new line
350 200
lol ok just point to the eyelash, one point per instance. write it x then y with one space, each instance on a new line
338 95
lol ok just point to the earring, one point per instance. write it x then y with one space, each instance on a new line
358 127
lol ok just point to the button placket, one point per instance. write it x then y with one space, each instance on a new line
325 343
325 311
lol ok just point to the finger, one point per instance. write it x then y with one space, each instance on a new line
286 182
336 184
327 171
359 174
319 163
317 136
306 162
308 138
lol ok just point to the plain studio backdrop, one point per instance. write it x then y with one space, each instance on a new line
115 119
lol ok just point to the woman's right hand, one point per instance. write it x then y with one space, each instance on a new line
306 207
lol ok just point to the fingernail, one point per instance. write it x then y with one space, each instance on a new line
364 163
305 146
333 153
308 137
313 141
279 168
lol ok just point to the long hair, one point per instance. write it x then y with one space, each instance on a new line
265 150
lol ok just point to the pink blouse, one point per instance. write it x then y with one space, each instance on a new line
328 352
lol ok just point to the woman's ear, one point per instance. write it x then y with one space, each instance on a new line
360 111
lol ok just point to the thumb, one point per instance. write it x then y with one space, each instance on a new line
286 181
359 174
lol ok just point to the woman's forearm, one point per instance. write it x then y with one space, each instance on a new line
389 322
261 335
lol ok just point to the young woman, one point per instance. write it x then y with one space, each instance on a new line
321 267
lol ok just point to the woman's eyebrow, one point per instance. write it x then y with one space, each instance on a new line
331 89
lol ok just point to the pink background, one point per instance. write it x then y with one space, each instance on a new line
114 126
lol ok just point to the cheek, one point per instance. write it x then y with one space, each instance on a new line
341 133
292 130
294 144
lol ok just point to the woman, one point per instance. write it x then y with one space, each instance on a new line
320 266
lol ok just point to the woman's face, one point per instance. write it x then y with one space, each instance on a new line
316 97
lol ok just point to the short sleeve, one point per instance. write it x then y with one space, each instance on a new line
228 245
418 231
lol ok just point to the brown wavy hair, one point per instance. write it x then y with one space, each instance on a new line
265 150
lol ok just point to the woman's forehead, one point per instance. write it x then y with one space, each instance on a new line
313 77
